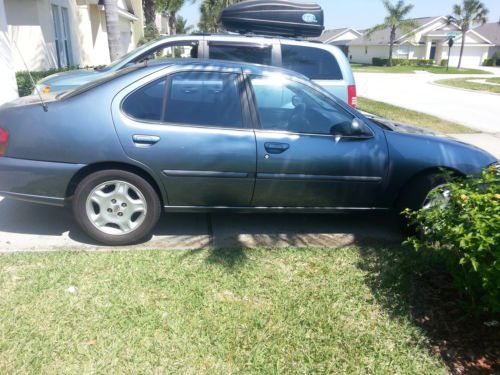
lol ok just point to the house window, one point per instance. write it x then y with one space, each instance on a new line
64 53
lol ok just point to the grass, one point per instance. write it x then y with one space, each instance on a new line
408 116
465 83
263 311
412 69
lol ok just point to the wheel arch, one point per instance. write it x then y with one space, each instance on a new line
421 174
101 166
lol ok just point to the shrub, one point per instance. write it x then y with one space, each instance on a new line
24 84
377 61
444 62
150 33
465 232
489 62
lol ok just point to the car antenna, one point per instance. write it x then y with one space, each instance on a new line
44 105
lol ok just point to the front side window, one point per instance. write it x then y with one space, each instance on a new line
191 98
244 53
314 63
288 105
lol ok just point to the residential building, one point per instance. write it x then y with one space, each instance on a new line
339 37
491 31
7 75
58 33
429 40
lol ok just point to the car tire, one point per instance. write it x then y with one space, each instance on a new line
414 195
116 207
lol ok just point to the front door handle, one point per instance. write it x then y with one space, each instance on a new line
276 147
145 140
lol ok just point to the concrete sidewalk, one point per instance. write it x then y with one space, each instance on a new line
477 110
30 227
487 142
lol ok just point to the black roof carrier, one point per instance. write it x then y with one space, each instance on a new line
274 18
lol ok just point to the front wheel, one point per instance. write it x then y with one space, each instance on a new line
116 207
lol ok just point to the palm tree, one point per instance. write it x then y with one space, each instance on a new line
395 19
210 11
469 13
182 27
149 8
171 8
113 28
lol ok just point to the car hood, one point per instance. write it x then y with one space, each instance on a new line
401 127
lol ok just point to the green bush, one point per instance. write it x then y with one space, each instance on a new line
465 232
24 84
150 33
444 62
489 62
377 61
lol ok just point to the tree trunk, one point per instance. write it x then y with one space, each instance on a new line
113 29
172 22
148 7
461 49
391 44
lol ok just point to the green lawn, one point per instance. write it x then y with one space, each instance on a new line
408 116
264 311
464 83
412 69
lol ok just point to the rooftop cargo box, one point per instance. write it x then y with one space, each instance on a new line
274 18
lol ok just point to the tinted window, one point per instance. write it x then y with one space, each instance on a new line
147 102
291 106
204 98
174 51
314 63
250 54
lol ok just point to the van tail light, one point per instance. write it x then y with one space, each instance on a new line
352 99
4 139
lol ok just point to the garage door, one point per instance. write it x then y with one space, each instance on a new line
472 56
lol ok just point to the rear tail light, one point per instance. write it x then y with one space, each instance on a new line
352 99
4 139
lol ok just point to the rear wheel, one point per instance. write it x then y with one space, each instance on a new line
116 207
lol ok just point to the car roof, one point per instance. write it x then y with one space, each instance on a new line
226 65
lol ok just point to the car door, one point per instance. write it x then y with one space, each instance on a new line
310 153
190 128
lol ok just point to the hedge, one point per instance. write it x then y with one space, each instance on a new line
24 84
377 61
464 230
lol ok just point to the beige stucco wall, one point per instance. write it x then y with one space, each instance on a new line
359 56
31 26
7 75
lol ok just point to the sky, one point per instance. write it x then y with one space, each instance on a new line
362 14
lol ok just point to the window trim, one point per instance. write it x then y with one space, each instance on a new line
177 43
245 118
256 115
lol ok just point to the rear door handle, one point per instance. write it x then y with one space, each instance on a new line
276 147
145 140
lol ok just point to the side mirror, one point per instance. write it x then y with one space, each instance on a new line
355 128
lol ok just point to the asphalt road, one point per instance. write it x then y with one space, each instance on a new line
30 227
477 110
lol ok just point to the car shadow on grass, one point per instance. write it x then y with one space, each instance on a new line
416 286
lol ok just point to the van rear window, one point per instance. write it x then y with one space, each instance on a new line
314 63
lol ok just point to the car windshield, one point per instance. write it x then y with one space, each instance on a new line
126 56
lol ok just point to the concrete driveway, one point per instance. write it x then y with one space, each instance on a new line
479 111
30 227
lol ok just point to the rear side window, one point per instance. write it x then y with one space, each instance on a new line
147 102
245 53
314 63
191 98
204 98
